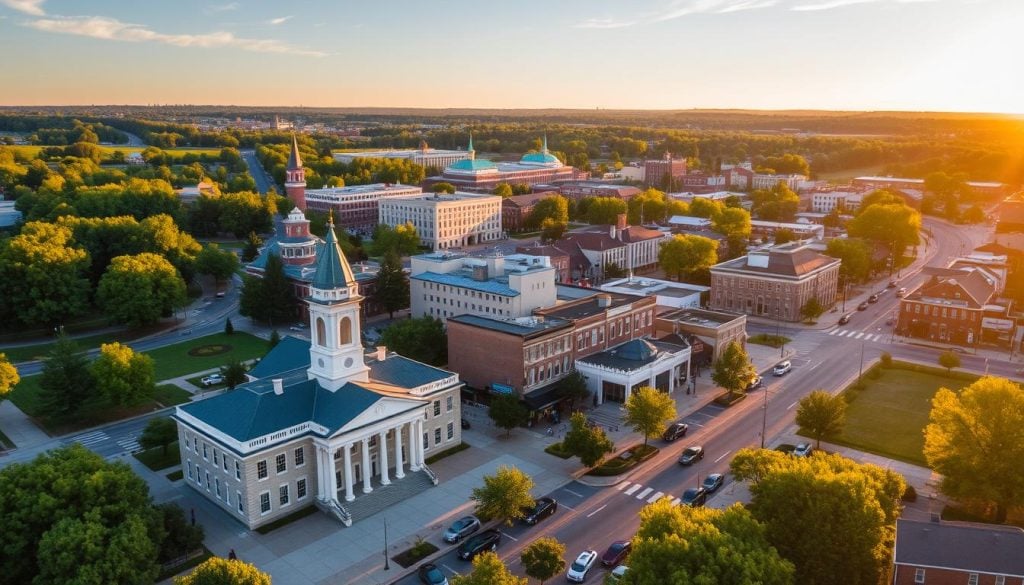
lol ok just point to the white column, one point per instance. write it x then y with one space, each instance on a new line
419 442
672 380
367 471
332 478
382 448
414 440
349 496
321 473
399 472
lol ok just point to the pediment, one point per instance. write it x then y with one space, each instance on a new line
379 411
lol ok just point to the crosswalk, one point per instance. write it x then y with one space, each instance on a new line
92 439
629 488
130 444
89 439
862 335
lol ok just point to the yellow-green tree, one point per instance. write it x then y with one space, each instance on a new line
821 414
685 255
218 571
504 495
648 411
542 559
489 570
140 289
9 377
122 375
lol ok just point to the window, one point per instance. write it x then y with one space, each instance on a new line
449 404
216 482
207 481
918 575
426 441
321 332
204 452
264 502
216 460
261 469
437 436
345 331
224 460
437 407
195 445
1000 579
282 494
972 579
282 463
190 469
300 457
451 431
238 498
300 488
238 470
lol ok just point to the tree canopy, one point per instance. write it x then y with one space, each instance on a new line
218 571
949 359
489 570
66 382
555 208
542 558
159 432
894 225
779 203
123 376
504 495
220 264
820 415
855 257
140 289
392 291
589 443
507 412
422 339
648 411
685 255
9 377
733 370
401 239
270 299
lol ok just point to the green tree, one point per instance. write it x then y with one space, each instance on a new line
733 370
678 544
422 339
253 243
588 443
502 190
66 382
784 236
820 415
573 388
855 257
604 210
787 164
159 432
648 411
392 290
812 309
973 440
442 188
706 208
732 222
140 289
507 413
779 203
895 226
504 495
42 276
401 239
275 338
234 373
613 270
218 571
270 299
684 255
973 215
489 570
229 328
9 377
180 537
949 359
542 559
555 208
122 376
552 231
220 264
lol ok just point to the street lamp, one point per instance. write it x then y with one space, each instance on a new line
387 564
764 415
860 374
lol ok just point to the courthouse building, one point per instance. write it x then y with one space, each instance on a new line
446 221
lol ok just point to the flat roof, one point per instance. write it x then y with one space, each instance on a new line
522 327
588 306
702 317
464 279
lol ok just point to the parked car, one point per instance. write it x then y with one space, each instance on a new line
901 292
431 575
465 424
782 368
845 318
616 553
212 380
694 497
873 298
892 284
219 295
461 528
542 508
755 383
863 306
674 431
581 566
803 450
713 482
691 455
617 574
486 540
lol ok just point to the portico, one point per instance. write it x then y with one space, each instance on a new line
616 373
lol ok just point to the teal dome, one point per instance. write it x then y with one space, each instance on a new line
471 164
543 158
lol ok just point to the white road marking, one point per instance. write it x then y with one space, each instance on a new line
791 405
91 438
859 335
644 493
723 456
596 511
655 497
622 485
843 332
514 539
573 493
834 331
633 489
130 445
562 505
451 570
675 502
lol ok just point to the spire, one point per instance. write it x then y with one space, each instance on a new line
545 148
469 147
332 269
294 160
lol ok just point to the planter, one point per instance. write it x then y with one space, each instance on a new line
625 461
728 399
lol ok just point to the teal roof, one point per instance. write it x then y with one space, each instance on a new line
472 164
332 269
543 157
290 353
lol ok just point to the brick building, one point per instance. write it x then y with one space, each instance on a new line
628 247
579 189
355 207
664 173
951 306
515 210
559 258
944 553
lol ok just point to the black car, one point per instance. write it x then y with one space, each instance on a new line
674 431
862 307
691 455
845 319
892 284
465 424
873 298
694 497
713 482
755 383
486 540
431 575
541 509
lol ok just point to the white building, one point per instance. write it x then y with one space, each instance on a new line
614 374
446 221
629 247
443 285
693 223
826 201
764 181
424 155
9 216
677 295
803 231
356 207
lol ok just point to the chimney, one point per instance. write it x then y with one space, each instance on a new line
604 301
480 273
611 232
620 221
278 386
382 353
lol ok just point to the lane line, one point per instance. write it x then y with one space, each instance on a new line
791 405
597 510
573 493
723 456
633 489
644 493
622 485
561 505
675 501
451 570
505 534
655 497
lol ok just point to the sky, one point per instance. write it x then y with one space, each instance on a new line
937 55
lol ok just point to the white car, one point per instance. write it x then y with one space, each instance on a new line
617 573
578 569
803 450
782 368
213 379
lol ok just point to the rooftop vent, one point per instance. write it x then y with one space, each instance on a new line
278 386
382 353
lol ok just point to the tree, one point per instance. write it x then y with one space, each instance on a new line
685 255
572 388
588 443
9 377
973 440
401 239
502 190
733 370
253 243
542 559
613 270
123 376
73 517
648 411
442 188
604 210
787 164
507 412
949 359
489 570
234 374
271 298
229 329
820 415
896 226
779 203
504 495
784 236
678 544
159 432
812 309
555 208
218 571
704 207
973 215
140 289
422 339
220 264
392 290
732 222
66 382
552 231
180 536
42 277
855 257
275 338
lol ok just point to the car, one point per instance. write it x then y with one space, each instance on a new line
892 284
755 383
486 540
299 326
461 528
581 566
803 450
617 574
465 424
431 575
213 380
219 295
713 482
616 553
845 318
691 455
863 306
296 328
694 497
542 508
782 368
901 292
873 298
674 431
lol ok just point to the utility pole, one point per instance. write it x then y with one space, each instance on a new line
764 415
387 563
860 374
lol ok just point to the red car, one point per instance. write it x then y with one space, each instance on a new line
616 553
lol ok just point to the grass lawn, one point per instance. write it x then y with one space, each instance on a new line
846 175
174 360
198 383
888 417
169 395
524 235
30 151
156 459
769 340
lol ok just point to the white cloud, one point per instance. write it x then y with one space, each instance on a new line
829 5
603 23
100 27
224 7
33 7
281 20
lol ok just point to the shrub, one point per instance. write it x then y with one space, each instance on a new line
728 399
886 359
909 494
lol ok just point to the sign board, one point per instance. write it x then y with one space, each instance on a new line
997 324
502 389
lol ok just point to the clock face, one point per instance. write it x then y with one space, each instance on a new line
320 362
348 362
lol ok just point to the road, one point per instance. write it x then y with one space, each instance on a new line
259 174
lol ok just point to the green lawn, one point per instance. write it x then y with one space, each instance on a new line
170 394
31 150
174 360
156 459
888 417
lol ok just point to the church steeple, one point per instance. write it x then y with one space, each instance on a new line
544 149
469 148
295 177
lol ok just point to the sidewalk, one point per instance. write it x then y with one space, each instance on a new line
19 428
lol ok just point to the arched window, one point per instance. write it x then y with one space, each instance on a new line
321 332
345 331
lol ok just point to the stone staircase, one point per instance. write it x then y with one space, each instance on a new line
383 496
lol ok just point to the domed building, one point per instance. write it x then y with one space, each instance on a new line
482 176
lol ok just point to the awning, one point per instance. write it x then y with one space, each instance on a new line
502 389
542 397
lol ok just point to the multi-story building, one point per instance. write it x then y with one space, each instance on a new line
559 258
614 374
424 156
845 200
775 283
482 176
604 320
700 182
664 173
952 306
443 285
743 176
577 190
714 329
593 248
667 293
980 188
803 231
954 553
446 221
310 429
355 207
516 210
